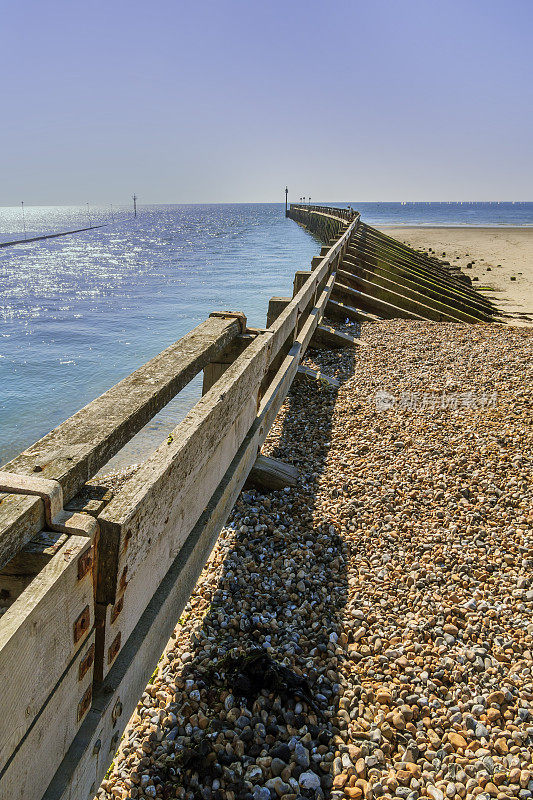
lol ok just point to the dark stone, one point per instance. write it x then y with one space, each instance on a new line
224 758
281 751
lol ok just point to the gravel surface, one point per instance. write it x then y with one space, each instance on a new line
396 577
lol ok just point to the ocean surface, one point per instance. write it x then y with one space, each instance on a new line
79 313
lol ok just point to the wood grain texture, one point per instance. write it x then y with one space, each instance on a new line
93 749
32 766
37 639
148 557
272 474
75 450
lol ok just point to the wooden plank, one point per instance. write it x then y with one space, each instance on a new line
370 303
271 473
326 336
75 450
89 756
137 513
135 517
90 500
143 565
404 297
275 306
342 312
21 517
216 368
39 635
32 766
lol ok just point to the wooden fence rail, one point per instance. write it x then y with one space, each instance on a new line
91 584
347 214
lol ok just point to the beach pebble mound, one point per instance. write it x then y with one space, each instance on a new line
397 577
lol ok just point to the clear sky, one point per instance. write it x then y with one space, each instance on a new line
229 100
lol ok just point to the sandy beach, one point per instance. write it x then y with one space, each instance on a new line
490 256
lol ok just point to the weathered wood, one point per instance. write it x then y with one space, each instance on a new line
317 375
300 279
41 632
32 766
403 297
342 312
21 517
90 500
327 337
75 450
370 266
160 541
275 306
93 749
368 302
216 368
140 511
21 570
271 473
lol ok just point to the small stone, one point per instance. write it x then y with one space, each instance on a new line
301 755
309 780
277 766
456 740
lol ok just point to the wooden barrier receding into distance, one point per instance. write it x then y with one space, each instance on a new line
91 582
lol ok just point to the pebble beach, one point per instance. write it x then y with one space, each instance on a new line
395 580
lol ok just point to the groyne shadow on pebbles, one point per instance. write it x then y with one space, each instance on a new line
282 587
397 576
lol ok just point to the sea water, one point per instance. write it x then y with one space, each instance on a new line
79 313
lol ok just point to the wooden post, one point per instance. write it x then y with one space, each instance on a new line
300 278
215 369
275 306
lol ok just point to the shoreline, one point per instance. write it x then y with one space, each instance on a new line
497 258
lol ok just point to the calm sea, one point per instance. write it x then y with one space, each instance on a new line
80 312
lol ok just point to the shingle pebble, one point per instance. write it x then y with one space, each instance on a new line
397 576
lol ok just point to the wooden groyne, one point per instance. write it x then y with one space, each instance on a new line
379 275
51 235
92 582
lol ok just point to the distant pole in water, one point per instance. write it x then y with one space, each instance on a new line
286 196
134 205
88 214
23 219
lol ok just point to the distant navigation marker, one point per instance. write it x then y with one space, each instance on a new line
23 219
134 205
286 197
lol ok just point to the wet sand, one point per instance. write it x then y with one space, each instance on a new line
490 256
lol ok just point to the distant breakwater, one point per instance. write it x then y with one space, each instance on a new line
50 236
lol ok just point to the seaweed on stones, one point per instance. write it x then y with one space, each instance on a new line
249 673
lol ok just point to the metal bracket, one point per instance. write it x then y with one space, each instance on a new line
238 315
51 493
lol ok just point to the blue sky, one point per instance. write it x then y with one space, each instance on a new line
227 100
